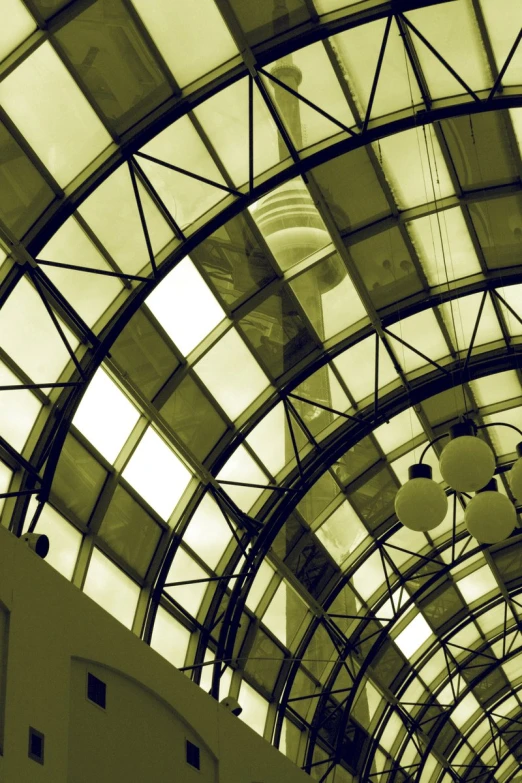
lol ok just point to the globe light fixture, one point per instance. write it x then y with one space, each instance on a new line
466 463
515 475
421 504
490 517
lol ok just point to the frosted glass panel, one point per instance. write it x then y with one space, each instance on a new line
18 24
64 540
170 638
111 588
208 533
255 708
18 410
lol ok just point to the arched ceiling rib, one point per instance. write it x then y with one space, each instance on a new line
254 522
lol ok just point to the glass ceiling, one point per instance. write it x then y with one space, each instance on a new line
243 280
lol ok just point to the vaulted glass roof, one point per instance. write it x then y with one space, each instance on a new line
244 279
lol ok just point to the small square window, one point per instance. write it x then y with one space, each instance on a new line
96 690
192 754
36 745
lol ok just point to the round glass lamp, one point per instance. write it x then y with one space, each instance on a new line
466 463
421 504
515 475
490 517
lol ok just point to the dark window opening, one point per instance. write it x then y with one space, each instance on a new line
36 745
192 755
96 690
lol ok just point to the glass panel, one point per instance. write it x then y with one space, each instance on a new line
78 479
232 374
504 19
498 223
185 197
5 479
264 20
234 261
169 638
477 584
374 499
504 439
224 118
18 410
453 257
309 72
342 533
105 416
90 294
19 24
64 541
278 333
496 388
342 181
261 581
130 531
184 569
480 149
358 49
400 429
357 368
185 306
415 167
463 319
43 100
208 533
157 474
112 213
193 418
285 613
290 223
413 636
29 336
454 33
242 468
386 268
271 439
111 588
328 297
255 708
422 332
144 354
48 7
203 40
24 194
112 60
264 661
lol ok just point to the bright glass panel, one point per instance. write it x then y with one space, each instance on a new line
415 167
105 416
157 474
402 428
202 38
186 198
89 294
358 49
513 296
111 588
208 533
444 246
29 336
48 107
496 388
18 24
64 541
465 709
341 308
242 468
169 638
184 569
18 410
369 577
255 708
5 479
232 374
413 636
261 581
453 31
478 584
357 368
224 118
422 332
505 439
401 465
112 213
269 440
461 314
185 306
504 19
342 533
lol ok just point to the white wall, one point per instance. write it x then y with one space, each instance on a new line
56 635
